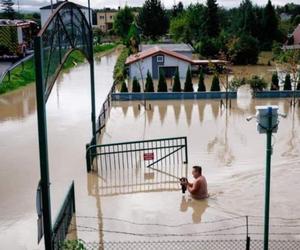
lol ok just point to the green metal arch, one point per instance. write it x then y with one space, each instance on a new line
65 31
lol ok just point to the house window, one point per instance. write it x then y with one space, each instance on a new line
160 59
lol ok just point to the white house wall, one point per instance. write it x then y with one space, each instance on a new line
142 65
146 64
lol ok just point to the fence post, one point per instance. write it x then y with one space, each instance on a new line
88 158
247 235
186 150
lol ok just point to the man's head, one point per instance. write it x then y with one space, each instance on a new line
197 171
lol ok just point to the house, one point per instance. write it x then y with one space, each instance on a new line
155 59
46 11
105 19
293 41
181 48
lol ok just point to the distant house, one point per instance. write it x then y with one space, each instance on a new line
105 19
293 41
181 48
46 11
155 59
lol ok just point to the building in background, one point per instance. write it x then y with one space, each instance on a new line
293 41
47 10
105 19
181 48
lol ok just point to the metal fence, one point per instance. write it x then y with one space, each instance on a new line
104 112
63 220
12 67
195 245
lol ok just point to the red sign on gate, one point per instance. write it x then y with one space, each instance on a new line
148 156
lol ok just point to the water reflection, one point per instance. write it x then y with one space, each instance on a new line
198 206
18 105
188 113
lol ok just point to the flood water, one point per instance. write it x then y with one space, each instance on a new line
69 129
230 150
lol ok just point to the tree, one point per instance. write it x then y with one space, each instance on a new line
212 19
177 84
215 85
243 50
133 39
208 47
136 85
201 84
124 88
298 85
177 9
257 83
188 84
162 84
270 25
122 22
152 19
287 82
275 82
7 7
248 22
149 83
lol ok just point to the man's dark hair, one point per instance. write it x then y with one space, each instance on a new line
198 169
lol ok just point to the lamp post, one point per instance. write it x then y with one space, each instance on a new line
267 123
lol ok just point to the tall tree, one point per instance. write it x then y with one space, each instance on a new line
149 83
136 87
212 19
7 8
287 82
152 19
177 9
177 84
123 21
201 84
270 25
275 82
133 39
162 84
248 19
215 85
188 84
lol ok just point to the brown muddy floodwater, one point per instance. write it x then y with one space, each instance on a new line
230 150
69 129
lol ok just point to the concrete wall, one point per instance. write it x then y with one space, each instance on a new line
151 64
171 96
277 94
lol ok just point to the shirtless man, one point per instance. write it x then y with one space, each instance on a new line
197 189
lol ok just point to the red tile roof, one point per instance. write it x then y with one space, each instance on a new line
153 51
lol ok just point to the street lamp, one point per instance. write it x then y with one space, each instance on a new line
267 123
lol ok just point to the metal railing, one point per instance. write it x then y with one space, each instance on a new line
63 220
7 72
145 154
102 118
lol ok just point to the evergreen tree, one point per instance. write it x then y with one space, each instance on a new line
122 22
162 84
124 88
177 84
133 39
215 85
152 19
212 19
287 83
149 83
298 85
188 84
248 22
270 25
136 85
7 8
275 82
201 84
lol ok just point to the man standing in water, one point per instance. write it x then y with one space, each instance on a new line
197 189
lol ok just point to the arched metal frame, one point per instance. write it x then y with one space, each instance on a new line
65 31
